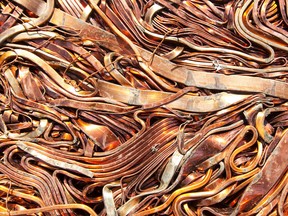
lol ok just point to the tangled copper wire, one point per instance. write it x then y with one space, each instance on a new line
148 107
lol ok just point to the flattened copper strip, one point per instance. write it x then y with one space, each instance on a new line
34 22
190 103
60 18
54 162
207 80
11 20
40 62
274 167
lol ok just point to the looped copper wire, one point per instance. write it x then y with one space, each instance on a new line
5 65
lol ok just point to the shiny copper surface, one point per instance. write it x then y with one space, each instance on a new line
125 107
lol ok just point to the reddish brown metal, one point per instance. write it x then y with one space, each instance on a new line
124 107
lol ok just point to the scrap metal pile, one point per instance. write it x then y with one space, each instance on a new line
147 107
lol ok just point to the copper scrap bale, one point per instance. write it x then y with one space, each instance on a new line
163 107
